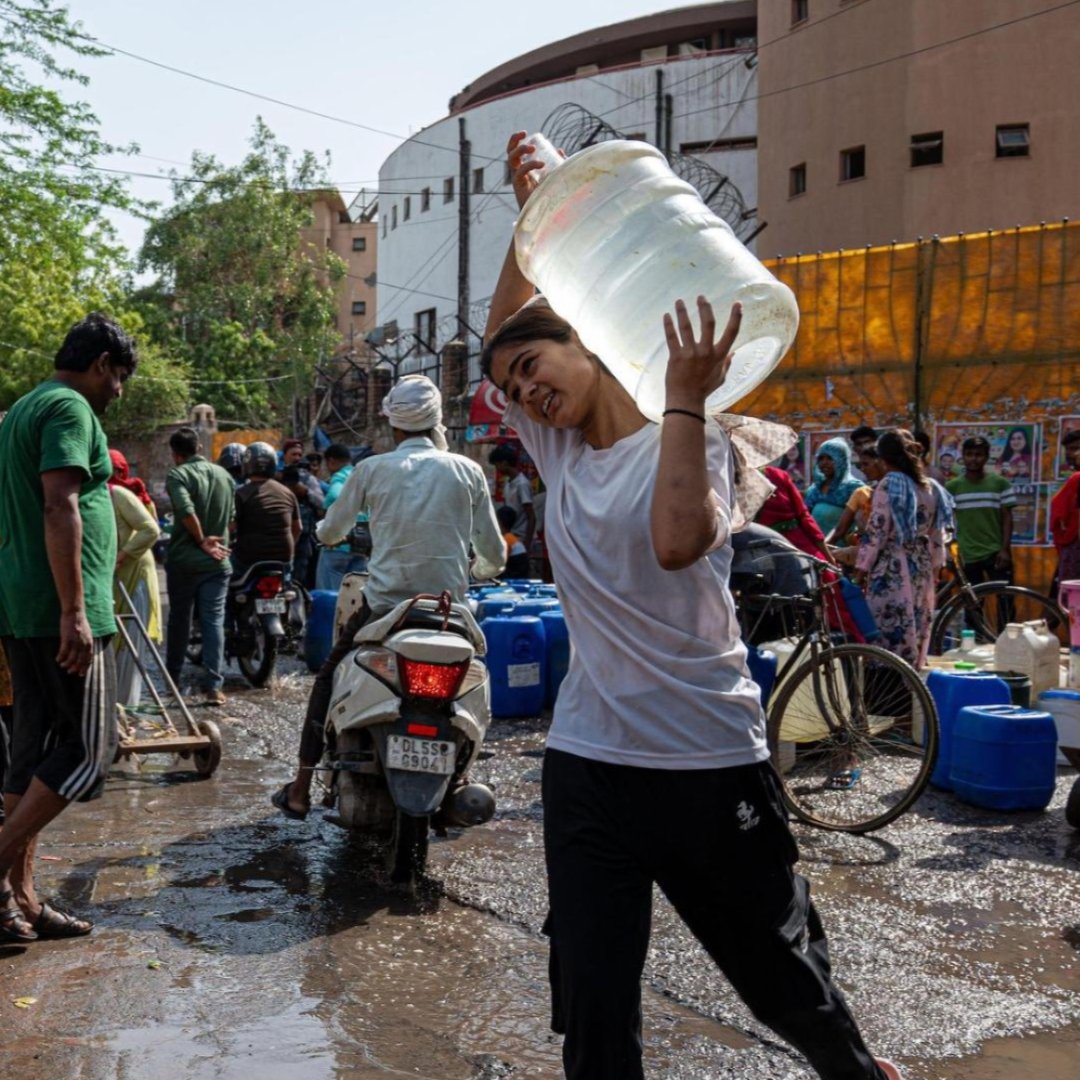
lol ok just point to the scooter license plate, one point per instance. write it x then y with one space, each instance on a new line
420 755
270 607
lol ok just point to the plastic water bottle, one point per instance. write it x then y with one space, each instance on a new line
613 238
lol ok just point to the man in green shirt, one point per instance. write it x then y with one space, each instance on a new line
984 504
57 555
197 566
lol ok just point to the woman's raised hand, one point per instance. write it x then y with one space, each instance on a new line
697 367
523 173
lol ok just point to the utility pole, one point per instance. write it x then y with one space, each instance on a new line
464 162
658 142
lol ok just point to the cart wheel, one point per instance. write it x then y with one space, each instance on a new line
207 761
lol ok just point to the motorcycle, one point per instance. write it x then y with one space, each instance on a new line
255 631
408 716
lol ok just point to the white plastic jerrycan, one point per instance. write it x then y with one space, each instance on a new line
612 237
1033 649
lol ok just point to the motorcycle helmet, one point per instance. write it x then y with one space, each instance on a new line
231 458
260 459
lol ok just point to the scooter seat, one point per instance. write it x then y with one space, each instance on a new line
257 570
421 619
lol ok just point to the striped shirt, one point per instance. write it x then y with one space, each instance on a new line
979 506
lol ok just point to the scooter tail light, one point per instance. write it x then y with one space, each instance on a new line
268 586
424 680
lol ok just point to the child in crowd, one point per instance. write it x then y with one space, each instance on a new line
517 558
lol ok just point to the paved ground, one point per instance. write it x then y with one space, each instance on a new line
231 942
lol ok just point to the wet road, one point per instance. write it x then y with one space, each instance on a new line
233 943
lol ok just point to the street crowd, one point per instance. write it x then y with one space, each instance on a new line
657 724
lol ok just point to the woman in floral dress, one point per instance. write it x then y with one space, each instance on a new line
902 550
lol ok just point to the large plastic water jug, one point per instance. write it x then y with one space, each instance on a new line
537 605
953 691
803 721
762 665
1003 757
859 609
1032 648
319 631
612 237
556 651
522 585
497 603
517 665
1064 707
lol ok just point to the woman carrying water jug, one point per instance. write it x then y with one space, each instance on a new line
657 768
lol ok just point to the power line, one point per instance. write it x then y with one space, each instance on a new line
243 90
888 60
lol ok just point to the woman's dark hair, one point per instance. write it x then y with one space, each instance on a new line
1008 453
89 338
533 322
899 450
184 442
923 440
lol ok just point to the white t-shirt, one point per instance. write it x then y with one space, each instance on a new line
658 675
517 494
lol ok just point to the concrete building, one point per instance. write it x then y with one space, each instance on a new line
351 233
684 80
890 121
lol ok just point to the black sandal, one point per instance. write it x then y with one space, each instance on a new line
281 800
52 925
15 927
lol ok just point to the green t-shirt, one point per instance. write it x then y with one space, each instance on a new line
206 490
52 427
978 514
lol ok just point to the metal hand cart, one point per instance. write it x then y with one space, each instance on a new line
199 740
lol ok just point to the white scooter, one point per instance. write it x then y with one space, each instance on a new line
410 710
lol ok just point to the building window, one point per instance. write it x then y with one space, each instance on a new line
393 216
746 41
927 149
425 199
1013 140
796 180
717 146
800 11
448 189
425 330
359 307
477 181
406 209
853 163
359 243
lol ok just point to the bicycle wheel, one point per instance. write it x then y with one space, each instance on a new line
988 609
858 713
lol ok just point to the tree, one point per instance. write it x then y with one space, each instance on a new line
59 256
245 299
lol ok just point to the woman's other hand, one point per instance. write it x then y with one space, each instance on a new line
697 367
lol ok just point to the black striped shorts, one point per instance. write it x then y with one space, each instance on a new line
64 729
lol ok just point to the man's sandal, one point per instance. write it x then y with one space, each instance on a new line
15 928
51 925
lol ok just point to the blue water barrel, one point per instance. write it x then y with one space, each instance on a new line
1004 757
523 585
556 652
499 603
543 590
860 609
953 691
762 665
516 662
319 631
537 605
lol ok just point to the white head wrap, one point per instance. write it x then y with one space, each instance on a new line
415 404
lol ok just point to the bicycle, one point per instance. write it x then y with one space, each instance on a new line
987 608
852 730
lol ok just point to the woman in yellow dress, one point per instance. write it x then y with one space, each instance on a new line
136 532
